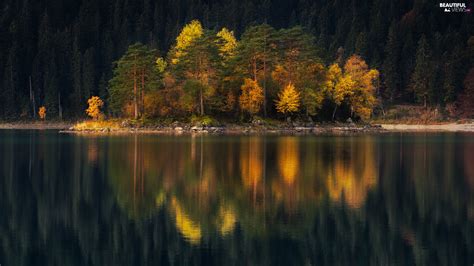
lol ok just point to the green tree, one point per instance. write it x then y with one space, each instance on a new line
420 82
134 74
391 71
297 63
256 54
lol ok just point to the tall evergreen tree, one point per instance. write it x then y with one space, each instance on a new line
391 70
423 72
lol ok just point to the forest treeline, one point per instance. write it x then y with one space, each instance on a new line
59 53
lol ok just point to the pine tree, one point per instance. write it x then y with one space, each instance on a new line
134 74
391 71
422 74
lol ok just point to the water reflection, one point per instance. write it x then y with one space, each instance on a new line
257 200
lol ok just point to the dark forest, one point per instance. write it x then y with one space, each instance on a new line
59 53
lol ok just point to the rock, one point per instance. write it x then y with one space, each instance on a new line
349 120
178 129
197 128
175 124
257 122
288 120
125 124
216 129
303 128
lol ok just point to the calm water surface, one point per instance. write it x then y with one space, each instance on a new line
242 200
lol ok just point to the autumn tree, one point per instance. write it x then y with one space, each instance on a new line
194 57
251 98
42 113
288 100
355 85
95 103
135 73
227 44
362 89
337 86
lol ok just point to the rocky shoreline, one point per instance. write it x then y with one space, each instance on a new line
231 129
177 128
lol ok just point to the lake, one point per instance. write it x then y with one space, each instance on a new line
376 199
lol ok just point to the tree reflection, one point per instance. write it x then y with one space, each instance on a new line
389 199
195 175
353 172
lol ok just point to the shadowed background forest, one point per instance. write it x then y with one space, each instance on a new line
64 50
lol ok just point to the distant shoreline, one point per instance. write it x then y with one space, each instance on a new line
68 127
444 127
36 125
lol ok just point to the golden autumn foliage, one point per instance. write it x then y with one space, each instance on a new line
355 85
251 99
42 113
362 97
227 43
288 100
95 103
189 34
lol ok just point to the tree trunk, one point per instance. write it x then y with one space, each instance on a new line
135 92
255 69
334 113
264 88
32 99
142 96
60 108
201 100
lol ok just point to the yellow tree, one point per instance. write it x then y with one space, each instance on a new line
189 34
337 86
227 43
42 113
362 98
288 100
95 103
194 58
251 99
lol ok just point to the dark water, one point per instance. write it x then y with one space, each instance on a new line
384 199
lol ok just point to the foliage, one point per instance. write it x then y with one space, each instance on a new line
227 43
361 86
42 113
188 36
135 73
251 98
97 125
204 121
288 100
194 57
95 103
